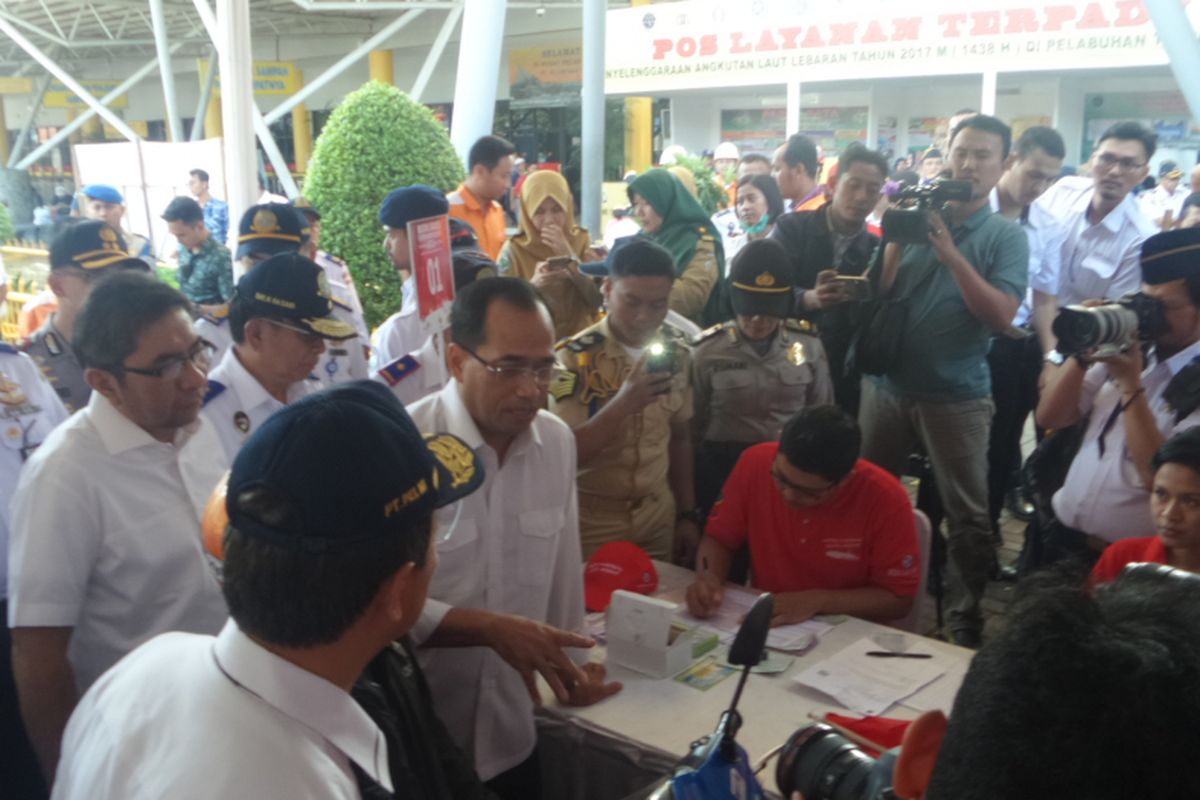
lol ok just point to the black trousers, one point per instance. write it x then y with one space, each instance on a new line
1016 365
20 775
522 782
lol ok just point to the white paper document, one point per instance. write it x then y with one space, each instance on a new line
736 605
867 684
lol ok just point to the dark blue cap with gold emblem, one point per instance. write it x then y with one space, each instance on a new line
761 280
91 245
291 289
270 228
391 478
1171 255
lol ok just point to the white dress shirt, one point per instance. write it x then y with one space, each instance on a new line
29 410
1101 260
400 333
237 404
1157 202
415 376
1046 236
106 536
1103 494
187 716
515 550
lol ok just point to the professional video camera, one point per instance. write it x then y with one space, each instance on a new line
910 224
1110 329
821 764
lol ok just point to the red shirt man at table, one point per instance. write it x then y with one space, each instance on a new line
828 532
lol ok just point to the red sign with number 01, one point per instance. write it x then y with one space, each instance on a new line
433 270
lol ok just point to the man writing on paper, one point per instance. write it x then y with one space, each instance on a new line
828 532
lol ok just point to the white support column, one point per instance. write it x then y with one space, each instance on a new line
478 68
88 113
210 80
1179 40
435 53
10 30
34 108
872 141
592 177
987 99
159 21
237 102
793 108
347 60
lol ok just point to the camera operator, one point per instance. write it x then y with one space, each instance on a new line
1134 403
959 289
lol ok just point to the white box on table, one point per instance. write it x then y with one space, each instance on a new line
642 635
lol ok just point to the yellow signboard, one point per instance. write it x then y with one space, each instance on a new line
16 85
270 77
59 96
545 76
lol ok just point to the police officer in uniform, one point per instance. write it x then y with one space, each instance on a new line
80 256
627 395
267 230
751 374
281 315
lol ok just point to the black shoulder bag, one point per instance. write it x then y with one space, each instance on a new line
882 323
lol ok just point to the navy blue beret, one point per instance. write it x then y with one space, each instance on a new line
407 203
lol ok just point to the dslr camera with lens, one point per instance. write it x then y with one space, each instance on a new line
1110 329
909 223
821 764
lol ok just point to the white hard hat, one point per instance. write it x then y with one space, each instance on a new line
669 154
726 150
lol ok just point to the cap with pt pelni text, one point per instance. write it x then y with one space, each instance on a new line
390 477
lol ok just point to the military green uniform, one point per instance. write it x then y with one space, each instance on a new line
623 493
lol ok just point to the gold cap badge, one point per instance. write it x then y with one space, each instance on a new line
765 279
264 222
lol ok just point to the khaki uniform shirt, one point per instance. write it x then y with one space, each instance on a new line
745 397
623 492
691 289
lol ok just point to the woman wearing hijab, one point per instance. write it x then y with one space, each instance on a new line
671 217
548 235
759 204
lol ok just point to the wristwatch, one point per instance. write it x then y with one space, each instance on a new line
1056 358
691 516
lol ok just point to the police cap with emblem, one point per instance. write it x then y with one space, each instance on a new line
1171 255
270 228
391 486
290 289
408 203
761 280
91 245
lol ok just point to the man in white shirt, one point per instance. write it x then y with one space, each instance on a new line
1132 405
1104 226
323 569
1165 198
281 315
1016 362
105 549
512 565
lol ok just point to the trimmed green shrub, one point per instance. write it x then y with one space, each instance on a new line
376 140
712 195
8 231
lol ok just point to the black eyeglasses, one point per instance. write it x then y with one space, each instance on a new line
543 376
1108 161
200 357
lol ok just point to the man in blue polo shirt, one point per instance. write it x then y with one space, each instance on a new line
960 288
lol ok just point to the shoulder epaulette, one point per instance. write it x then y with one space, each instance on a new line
218 315
675 333
800 325
53 346
709 333
586 341
5 347
399 369
215 388
341 304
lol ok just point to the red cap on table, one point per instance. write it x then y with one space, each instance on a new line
617 565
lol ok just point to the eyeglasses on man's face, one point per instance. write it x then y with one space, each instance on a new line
200 356
543 375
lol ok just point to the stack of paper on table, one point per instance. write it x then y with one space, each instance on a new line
737 603
867 684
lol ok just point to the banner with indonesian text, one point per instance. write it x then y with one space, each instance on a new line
700 44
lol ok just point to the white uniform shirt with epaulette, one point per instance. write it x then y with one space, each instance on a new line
415 375
237 404
745 396
342 361
400 334
341 286
29 410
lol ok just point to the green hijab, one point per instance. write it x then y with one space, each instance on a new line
684 221
683 218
